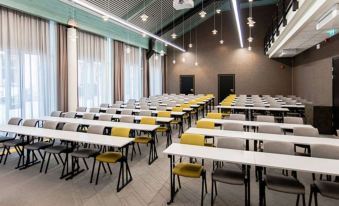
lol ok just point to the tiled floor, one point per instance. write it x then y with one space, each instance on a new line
150 186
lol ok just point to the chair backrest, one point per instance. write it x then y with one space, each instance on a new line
270 129
230 143
279 147
293 120
325 151
127 119
177 109
72 127
14 121
148 120
240 117
144 107
88 116
94 110
205 124
145 113
214 115
50 125
116 105
111 111
30 123
127 112
81 109
96 129
121 132
70 115
306 131
130 106
192 139
105 117
56 113
104 105
265 118
164 114
233 126
161 108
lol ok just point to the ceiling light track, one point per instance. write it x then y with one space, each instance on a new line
120 21
236 15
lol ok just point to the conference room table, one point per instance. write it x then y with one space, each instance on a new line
179 115
250 158
256 124
250 109
125 176
153 155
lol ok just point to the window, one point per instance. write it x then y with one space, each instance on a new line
94 70
27 66
132 72
155 75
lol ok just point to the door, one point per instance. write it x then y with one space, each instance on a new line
187 85
335 90
226 85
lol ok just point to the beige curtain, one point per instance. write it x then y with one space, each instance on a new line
62 69
118 71
145 76
164 74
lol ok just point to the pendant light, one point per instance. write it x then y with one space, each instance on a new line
183 37
221 37
190 45
173 35
214 31
250 24
196 48
202 13
162 53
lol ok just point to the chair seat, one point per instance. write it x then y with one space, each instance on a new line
85 153
188 170
142 140
229 176
162 129
39 145
15 142
5 138
286 184
109 157
58 149
328 189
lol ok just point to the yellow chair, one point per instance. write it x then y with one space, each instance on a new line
165 128
178 122
207 125
188 169
214 115
111 157
146 139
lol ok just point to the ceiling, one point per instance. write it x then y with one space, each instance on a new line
131 10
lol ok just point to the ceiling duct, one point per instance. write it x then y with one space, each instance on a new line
183 4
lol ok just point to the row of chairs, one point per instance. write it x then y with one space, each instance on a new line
283 181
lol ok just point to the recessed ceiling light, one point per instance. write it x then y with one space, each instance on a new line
144 17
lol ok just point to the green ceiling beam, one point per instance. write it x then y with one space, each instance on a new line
137 9
60 12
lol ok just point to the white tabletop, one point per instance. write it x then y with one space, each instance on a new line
212 153
143 127
138 118
68 136
256 123
264 137
281 161
254 108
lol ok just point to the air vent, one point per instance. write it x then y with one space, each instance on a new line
183 4
330 20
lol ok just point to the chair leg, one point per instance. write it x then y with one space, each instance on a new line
49 157
298 196
85 163
139 148
315 198
96 182
179 183
109 168
212 193
304 201
42 163
94 161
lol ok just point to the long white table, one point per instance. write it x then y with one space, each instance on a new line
140 127
256 123
265 137
250 158
81 137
